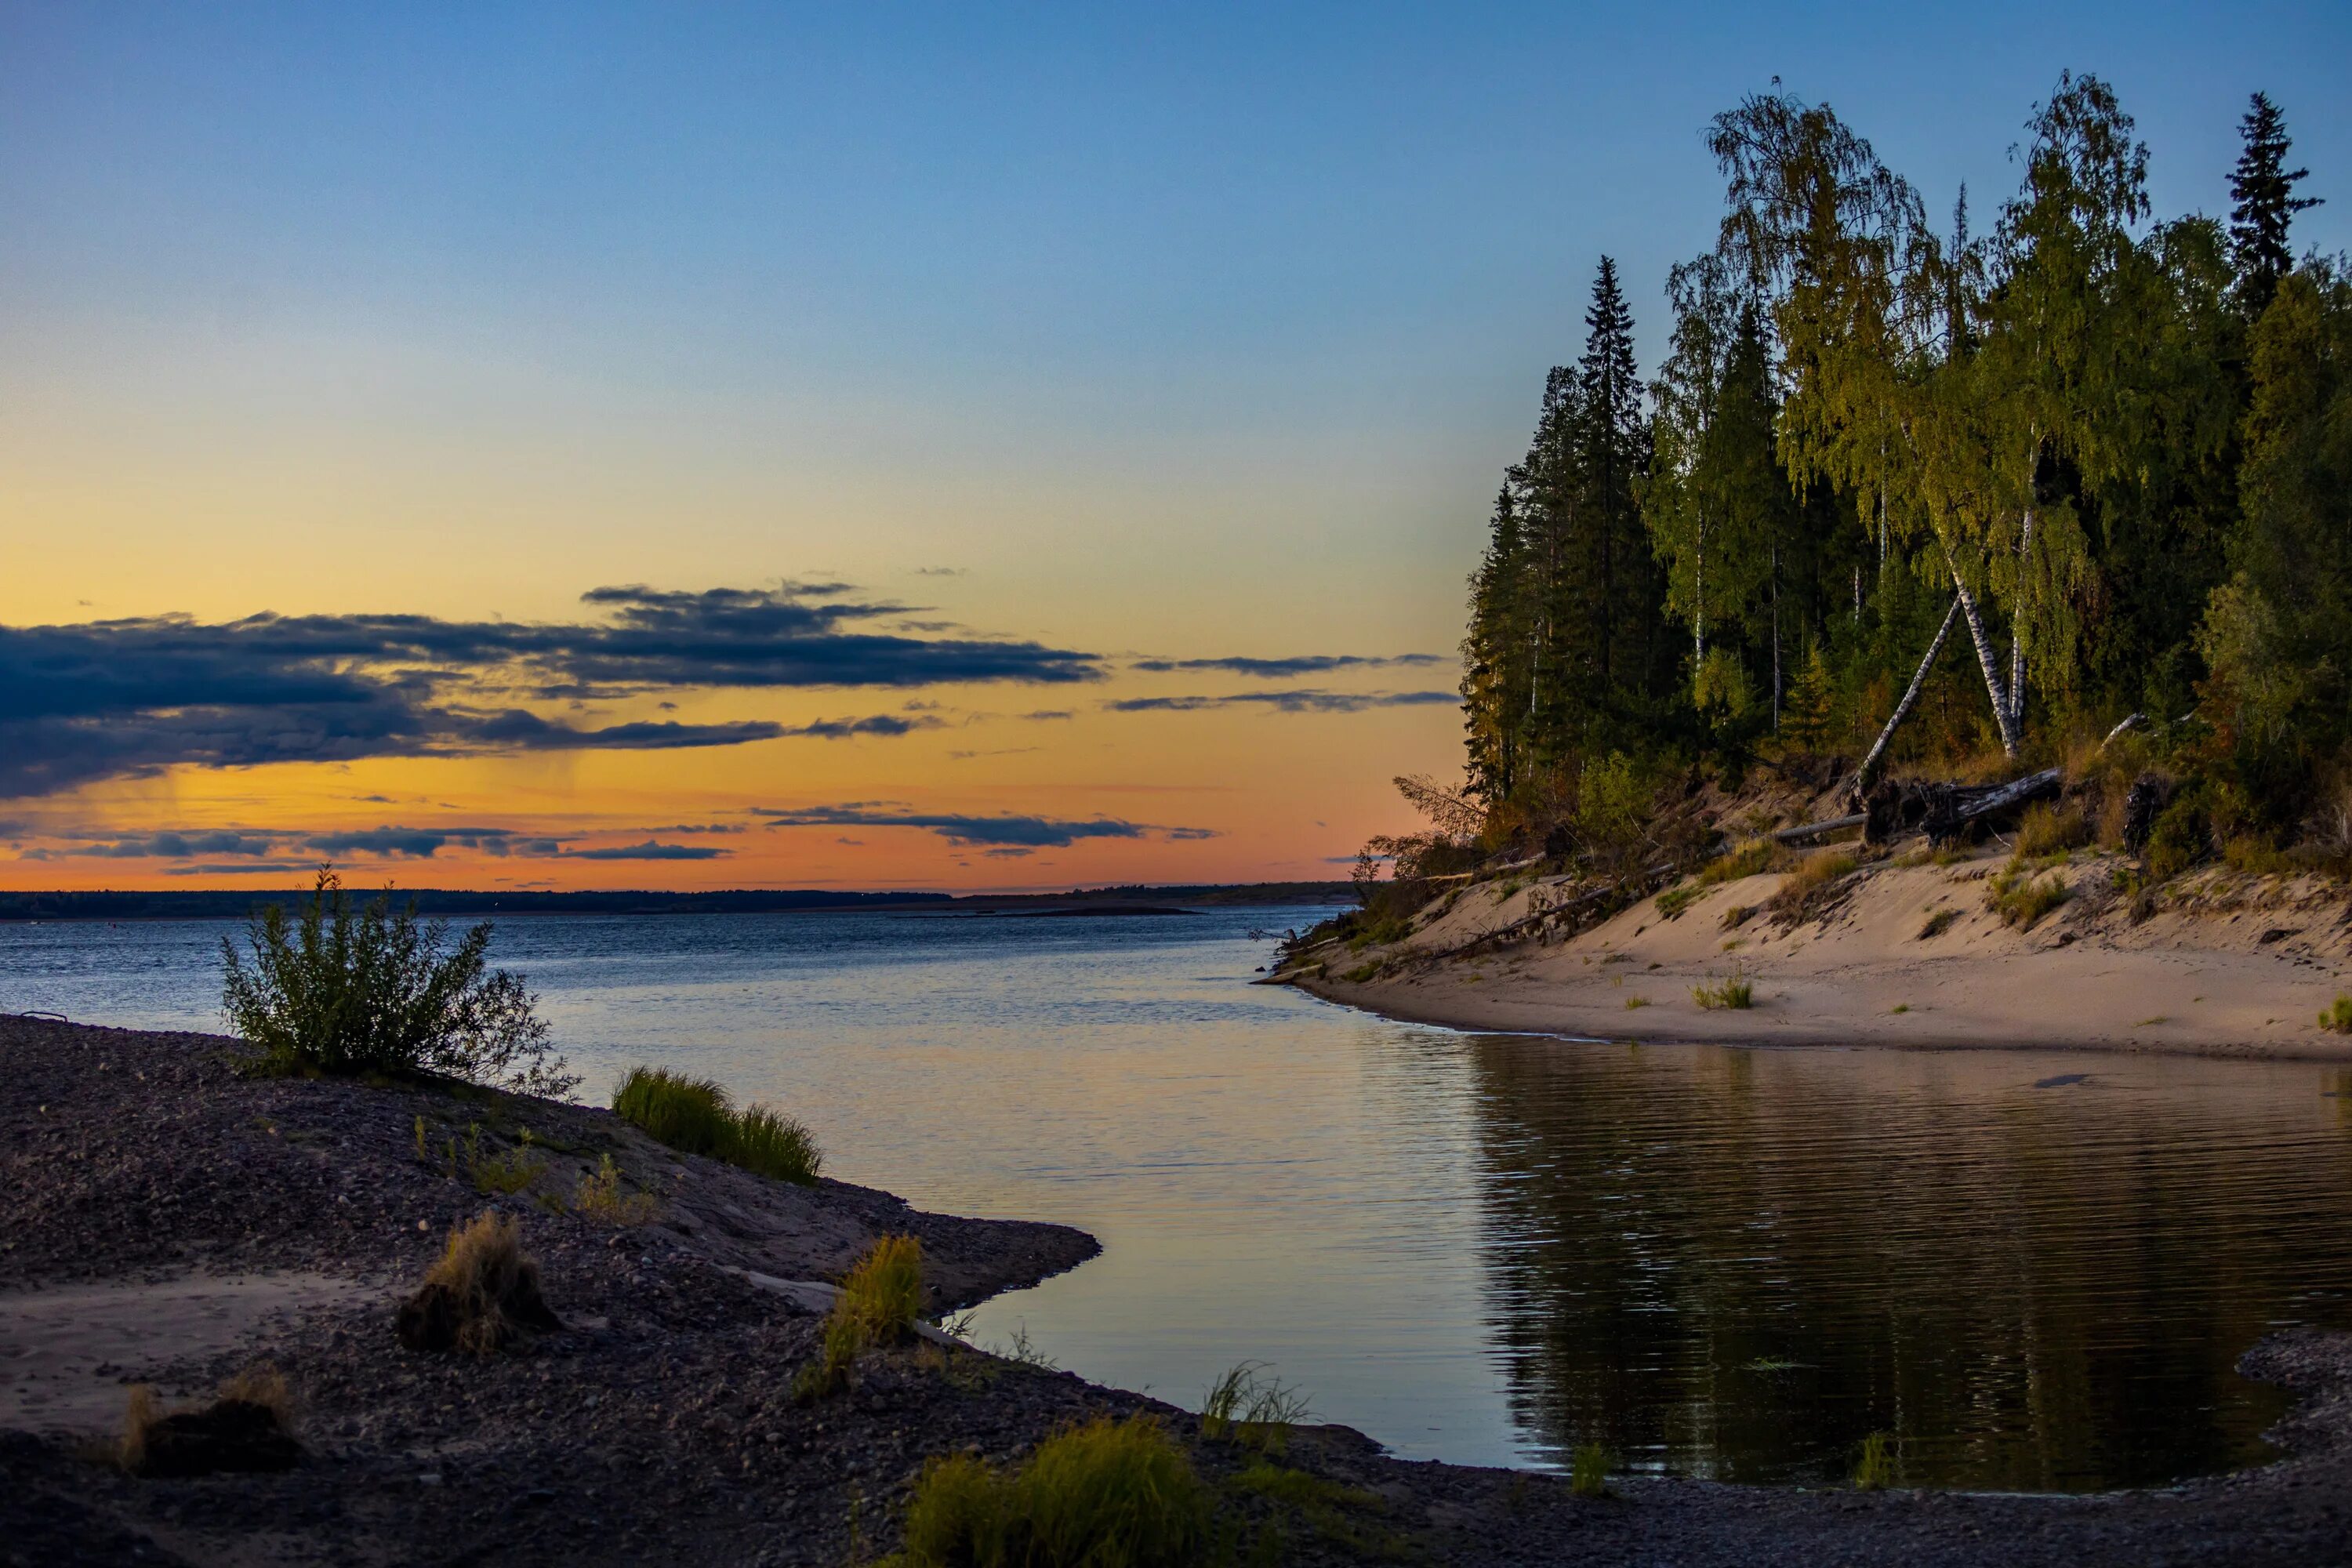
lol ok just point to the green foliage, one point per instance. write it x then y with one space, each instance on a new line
1675 900
2046 830
1939 923
1107 1494
693 1115
1734 991
2022 895
1245 1408
1750 860
696 1116
376 991
1588 1470
880 1297
2338 1016
776 1145
1874 1469
601 1196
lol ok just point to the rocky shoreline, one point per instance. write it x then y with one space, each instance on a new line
158 1200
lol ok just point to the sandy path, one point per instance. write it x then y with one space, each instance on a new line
66 1354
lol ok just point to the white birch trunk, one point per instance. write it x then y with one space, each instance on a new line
1985 658
1870 765
2017 628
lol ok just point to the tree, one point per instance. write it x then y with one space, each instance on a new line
2263 204
1496 652
1612 453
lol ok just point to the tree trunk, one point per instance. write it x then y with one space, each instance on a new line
1776 639
1871 763
2017 629
2001 715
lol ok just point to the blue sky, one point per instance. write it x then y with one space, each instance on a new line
1159 336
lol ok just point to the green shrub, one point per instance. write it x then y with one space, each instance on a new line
1588 1470
1736 992
693 1115
2338 1017
773 1144
349 993
2046 830
696 1116
1674 900
2182 838
1939 923
1108 1494
1875 1471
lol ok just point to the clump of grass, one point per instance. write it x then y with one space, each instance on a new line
1331 1509
1588 1470
1804 888
1875 1471
693 1115
1674 900
696 1116
1900 1007
773 1144
482 1296
880 1299
1362 973
2338 1017
1117 1494
377 992
1244 1407
1939 923
1735 917
1634 1002
1748 859
246 1426
2020 896
498 1173
602 1197
2046 830
1735 991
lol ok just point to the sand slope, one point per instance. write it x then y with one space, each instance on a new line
2229 965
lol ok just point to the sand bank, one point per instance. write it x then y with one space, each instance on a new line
1908 955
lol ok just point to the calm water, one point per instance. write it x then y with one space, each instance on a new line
2035 1270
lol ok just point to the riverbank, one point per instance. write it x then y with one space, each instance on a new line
172 1222
1902 952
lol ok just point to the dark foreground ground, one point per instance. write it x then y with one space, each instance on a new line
660 1427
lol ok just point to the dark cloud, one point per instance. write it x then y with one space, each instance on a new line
181 846
1292 702
1012 831
238 868
697 827
109 699
1046 714
848 728
517 729
1287 668
649 850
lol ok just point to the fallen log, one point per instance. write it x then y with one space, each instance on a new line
1803 831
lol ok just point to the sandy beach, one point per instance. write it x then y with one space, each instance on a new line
1905 954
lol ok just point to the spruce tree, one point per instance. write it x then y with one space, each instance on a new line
2261 192
1612 442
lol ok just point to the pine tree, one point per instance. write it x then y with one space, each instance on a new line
1613 440
1495 657
2262 191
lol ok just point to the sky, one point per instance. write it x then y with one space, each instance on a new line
858 446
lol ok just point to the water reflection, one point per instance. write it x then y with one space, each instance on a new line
1737 1263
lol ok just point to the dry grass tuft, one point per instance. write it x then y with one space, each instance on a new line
246 1426
482 1296
2046 830
1736 992
1256 1412
1939 923
2338 1017
2021 896
1805 890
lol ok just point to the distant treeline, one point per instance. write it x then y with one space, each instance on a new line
2103 465
195 903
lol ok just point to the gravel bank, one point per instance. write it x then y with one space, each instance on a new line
659 1426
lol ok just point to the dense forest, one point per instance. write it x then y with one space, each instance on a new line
1906 495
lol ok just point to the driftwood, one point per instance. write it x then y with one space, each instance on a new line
1805 830
1945 811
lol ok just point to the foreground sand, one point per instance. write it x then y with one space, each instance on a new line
2228 966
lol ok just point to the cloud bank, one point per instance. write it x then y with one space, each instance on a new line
103 700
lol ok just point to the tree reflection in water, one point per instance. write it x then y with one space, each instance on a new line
1738 1263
